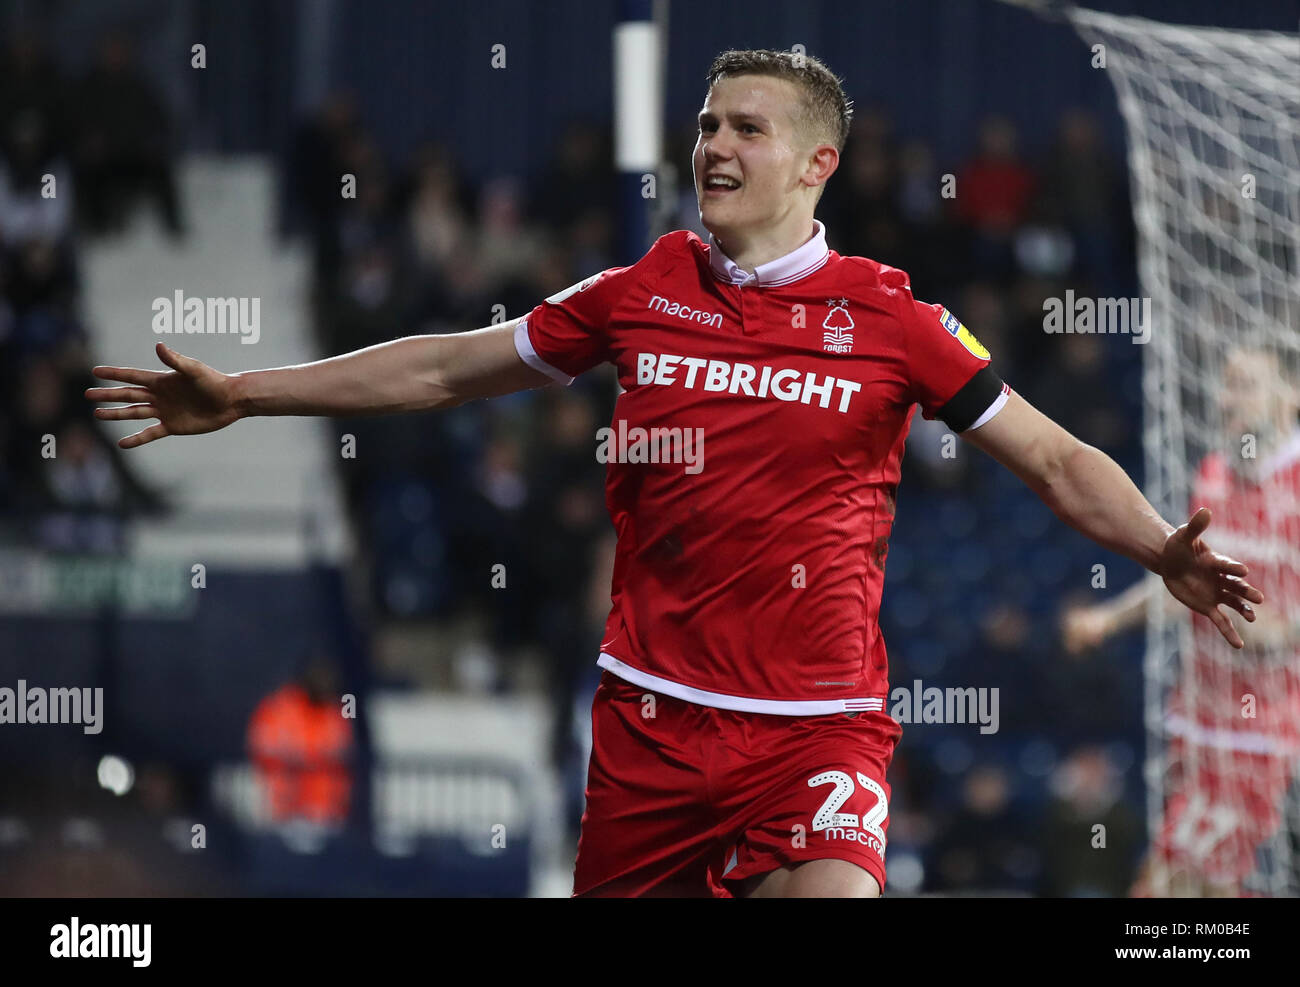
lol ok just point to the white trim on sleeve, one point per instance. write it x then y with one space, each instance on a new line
992 409
1252 741
744 704
524 347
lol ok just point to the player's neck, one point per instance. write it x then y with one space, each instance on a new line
751 249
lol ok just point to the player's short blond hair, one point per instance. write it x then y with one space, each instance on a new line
825 113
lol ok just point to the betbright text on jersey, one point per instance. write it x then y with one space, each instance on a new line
755 583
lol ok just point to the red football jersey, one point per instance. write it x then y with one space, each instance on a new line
749 577
1256 521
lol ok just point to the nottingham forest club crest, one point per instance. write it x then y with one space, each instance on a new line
838 322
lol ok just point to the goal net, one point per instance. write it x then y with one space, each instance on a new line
1213 122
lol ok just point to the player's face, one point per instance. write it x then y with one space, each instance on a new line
748 135
1251 395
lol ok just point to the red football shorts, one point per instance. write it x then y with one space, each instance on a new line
686 800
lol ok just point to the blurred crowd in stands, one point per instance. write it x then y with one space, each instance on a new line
77 154
440 499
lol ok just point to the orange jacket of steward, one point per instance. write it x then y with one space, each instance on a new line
301 751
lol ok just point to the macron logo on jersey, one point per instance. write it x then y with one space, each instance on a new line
741 378
661 304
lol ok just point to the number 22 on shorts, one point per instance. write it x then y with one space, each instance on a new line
843 825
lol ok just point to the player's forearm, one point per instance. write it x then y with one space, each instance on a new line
402 375
1128 610
1090 492
1274 629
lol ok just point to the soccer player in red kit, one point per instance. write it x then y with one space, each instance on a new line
1232 718
740 741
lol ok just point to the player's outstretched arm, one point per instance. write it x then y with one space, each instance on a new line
1087 490
1084 627
418 373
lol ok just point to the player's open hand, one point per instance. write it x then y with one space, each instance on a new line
1203 580
190 399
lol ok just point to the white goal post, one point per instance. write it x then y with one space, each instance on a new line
1213 125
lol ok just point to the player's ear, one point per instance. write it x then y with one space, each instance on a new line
823 159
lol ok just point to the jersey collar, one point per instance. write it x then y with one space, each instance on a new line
799 263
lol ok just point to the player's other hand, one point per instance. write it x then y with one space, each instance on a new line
190 399
1203 580
1083 628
